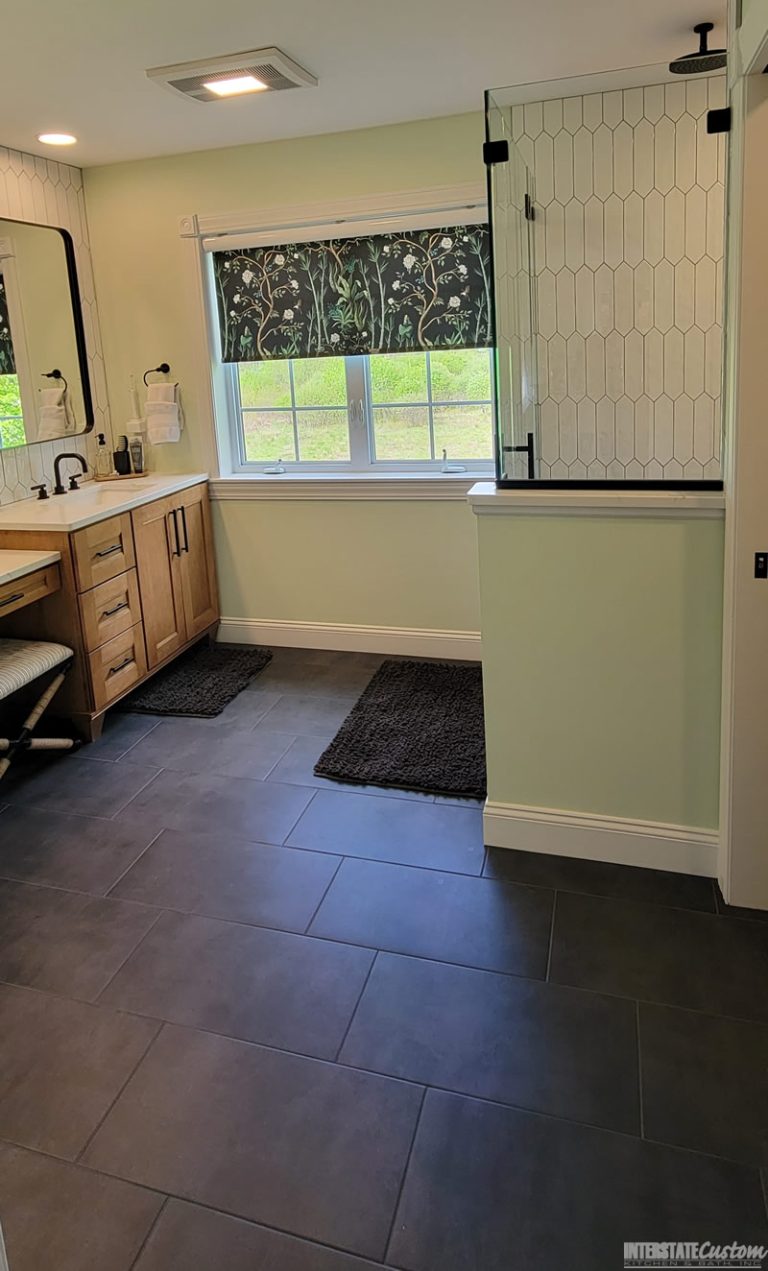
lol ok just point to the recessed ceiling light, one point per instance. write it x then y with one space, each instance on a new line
233 87
57 138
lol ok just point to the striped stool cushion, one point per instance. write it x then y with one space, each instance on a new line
22 661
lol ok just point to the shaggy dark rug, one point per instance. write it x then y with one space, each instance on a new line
419 726
199 683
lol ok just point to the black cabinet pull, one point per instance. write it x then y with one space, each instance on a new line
113 670
109 613
9 600
175 533
109 551
184 526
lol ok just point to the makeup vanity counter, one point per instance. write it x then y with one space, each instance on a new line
131 581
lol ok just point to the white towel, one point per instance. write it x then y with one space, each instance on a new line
163 414
55 418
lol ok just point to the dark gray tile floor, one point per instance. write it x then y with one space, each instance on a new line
253 1019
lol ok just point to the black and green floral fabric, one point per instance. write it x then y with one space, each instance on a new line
385 293
7 358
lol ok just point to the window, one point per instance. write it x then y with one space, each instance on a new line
396 412
11 414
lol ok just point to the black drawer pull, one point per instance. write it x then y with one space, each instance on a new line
9 600
109 551
110 613
113 670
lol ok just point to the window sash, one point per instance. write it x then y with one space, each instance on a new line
360 409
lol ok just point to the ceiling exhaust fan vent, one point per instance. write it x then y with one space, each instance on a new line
271 68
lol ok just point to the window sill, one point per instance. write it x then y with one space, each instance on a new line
306 487
487 499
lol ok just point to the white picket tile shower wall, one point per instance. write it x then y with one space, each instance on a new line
37 189
629 191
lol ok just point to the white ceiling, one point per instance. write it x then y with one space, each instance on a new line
79 66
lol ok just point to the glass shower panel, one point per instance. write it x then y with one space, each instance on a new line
511 205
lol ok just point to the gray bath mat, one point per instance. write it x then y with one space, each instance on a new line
199 683
418 726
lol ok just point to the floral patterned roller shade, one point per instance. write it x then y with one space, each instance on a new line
386 293
7 359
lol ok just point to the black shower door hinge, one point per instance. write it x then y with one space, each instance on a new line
528 208
528 450
495 152
719 120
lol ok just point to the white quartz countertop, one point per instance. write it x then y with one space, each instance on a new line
14 564
94 501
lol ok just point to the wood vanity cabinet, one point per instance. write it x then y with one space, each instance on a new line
136 589
174 556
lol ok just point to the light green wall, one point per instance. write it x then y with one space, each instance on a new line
332 562
601 660
148 309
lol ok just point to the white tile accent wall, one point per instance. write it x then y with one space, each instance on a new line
629 192
37 189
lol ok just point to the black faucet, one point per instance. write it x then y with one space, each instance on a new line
59 488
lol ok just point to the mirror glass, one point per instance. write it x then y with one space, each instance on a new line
41 331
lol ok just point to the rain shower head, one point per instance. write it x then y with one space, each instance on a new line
703 59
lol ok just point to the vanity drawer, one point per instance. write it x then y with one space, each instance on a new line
109 609
103 551
26 590
117 666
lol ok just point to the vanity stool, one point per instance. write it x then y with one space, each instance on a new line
21 663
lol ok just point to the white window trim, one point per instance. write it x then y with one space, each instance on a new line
466 202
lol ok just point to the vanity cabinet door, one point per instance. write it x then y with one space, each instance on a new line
198 571
159 546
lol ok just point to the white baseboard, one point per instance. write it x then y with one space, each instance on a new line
425 643
650 844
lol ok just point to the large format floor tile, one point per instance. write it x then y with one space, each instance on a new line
705 1082
309 714
189 1237
61 1065
494 1189
297 767
76 852
87 787
186 745
66 942
120 733
297 1144
262 986
670 956
226 877
448 917
601 878
58 1217
258 810
516 1041
402 831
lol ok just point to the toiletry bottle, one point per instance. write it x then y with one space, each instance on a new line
103 463
136 448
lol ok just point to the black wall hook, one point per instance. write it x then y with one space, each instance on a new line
162 369
55 374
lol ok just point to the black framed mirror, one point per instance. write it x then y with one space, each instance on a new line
45 391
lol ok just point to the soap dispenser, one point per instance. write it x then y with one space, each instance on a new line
103 463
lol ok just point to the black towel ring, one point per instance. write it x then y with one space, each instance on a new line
55 374
162 369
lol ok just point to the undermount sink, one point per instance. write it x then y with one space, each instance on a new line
93 501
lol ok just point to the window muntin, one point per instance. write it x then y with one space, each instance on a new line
397 411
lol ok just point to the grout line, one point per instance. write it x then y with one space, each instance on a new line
136 794
641 1105
306 808
97 999
401 1188
551 937
138 742
331 881
131 1074
357 1004
291 744
152 1226
128 868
